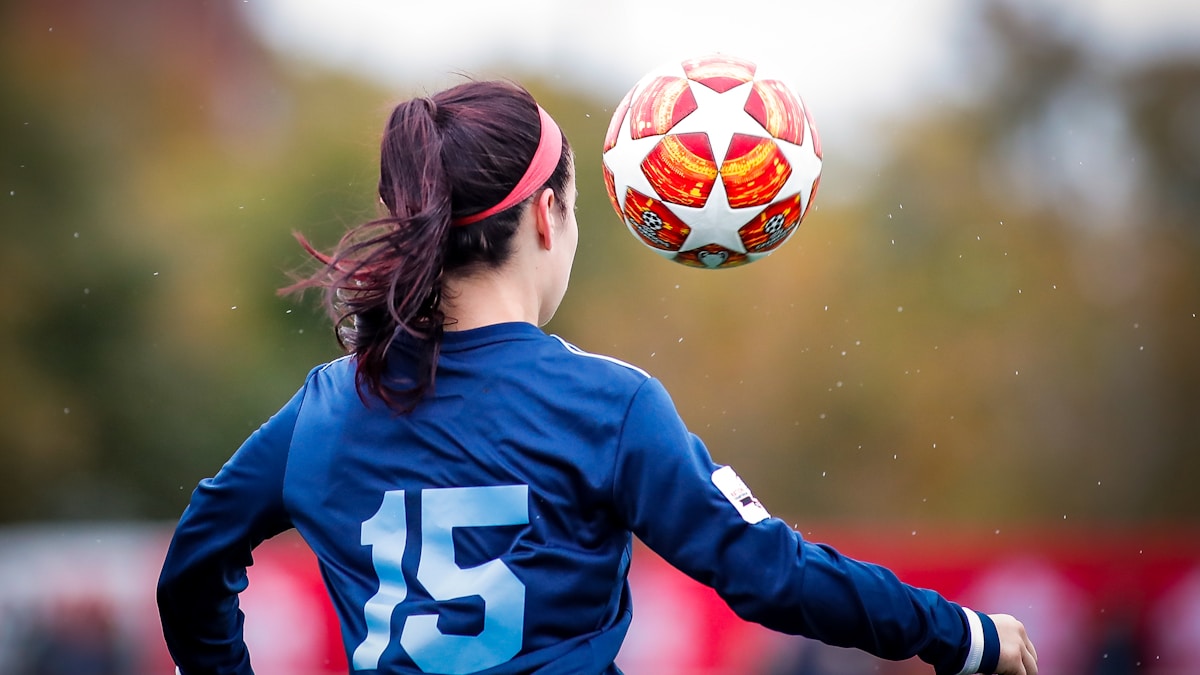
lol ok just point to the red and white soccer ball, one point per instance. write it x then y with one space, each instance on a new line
712 162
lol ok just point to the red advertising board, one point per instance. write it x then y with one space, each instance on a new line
1095 601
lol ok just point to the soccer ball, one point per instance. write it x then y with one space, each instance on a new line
712 162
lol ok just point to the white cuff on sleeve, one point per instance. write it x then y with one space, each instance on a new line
975 652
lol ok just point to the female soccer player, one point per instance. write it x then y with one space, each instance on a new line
470 484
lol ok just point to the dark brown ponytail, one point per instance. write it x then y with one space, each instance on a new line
453 154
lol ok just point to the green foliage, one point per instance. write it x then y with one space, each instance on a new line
943 347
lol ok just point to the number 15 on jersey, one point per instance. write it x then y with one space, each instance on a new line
503 594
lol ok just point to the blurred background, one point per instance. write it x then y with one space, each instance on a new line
977 361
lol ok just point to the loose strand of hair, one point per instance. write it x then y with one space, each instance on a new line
382 282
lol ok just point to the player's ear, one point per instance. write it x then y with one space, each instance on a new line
545 215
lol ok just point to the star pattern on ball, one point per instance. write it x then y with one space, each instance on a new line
710 223
720 116
805 166
629 152
710 150
724 112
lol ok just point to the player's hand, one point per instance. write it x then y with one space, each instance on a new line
1017 655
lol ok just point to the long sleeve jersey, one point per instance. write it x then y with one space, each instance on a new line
489 530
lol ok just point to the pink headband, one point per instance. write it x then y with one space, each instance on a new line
545 160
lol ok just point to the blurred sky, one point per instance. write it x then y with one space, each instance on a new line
849 58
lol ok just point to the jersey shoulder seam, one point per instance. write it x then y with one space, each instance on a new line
572 349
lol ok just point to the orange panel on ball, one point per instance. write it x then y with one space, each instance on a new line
660 106
773 226
812 194
682 169
754 171
773 105
610 185
812 129
719 72
614 125
712 256
653 222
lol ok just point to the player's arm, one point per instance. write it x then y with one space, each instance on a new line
205 567
699 517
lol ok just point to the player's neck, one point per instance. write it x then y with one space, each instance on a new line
487 299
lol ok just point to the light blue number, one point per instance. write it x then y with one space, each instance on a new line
386 533
502 592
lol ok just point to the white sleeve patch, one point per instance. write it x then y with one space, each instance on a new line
739 495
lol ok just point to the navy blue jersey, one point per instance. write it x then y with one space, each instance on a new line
490 528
